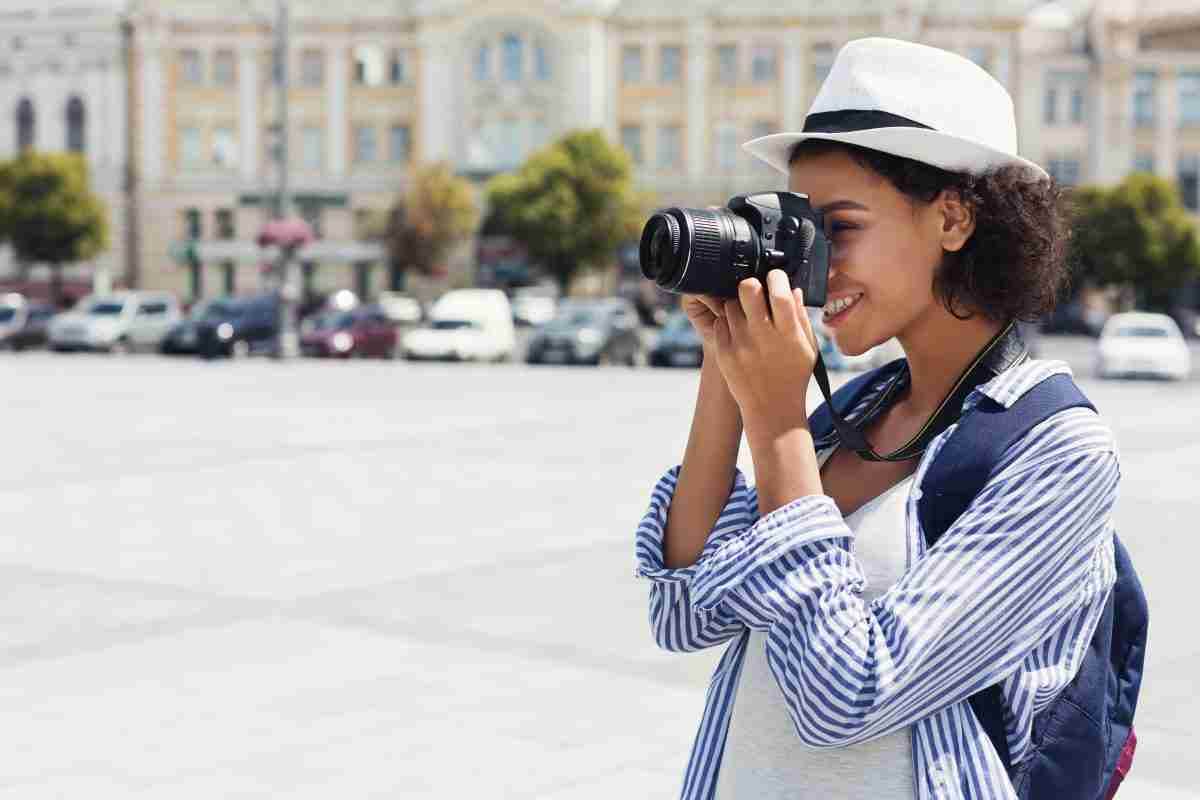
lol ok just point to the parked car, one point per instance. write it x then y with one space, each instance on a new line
465 324
401 308
1139 343
533 310
24 324
239 326
183 338
118 322
603 331
677 344
362 331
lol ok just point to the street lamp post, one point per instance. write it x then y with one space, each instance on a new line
289 345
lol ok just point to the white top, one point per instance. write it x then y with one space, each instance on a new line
764 759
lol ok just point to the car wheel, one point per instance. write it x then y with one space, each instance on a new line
120 347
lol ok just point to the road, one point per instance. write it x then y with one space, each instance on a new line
354 580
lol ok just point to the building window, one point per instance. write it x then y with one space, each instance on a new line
225 224
763 63
191 147
368 65
1144 97
312 68
1189 98
541 61
1064 170
26 123
311 214
193 224
669 146
1189 180
1050 106
400 144
1143 162
483 62
726 155
398 68
727 64
631 63
76 125
191 67
631 140
512 52
822 61
365 150
311 147
1077 105
670 63
225 148
224 68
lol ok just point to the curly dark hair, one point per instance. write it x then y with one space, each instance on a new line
1014 266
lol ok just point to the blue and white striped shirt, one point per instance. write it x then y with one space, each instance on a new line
1010 594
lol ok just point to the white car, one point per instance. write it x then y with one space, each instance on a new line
118 322
465 325
1140 343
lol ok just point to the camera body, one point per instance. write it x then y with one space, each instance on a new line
711 250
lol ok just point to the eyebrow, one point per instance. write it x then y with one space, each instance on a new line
838 205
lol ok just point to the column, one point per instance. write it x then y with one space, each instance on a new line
699 55
586 82
794 81
436 98
249 125
1166 120
336 77
1096 114
153 99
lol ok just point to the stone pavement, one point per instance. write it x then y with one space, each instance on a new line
360 580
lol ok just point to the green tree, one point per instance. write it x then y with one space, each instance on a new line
48 212
1136 233
435 213
571 204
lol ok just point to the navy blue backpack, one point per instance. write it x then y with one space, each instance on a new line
1083 742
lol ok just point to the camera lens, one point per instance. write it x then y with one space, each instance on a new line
698 250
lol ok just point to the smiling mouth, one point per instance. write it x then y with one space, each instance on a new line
835 310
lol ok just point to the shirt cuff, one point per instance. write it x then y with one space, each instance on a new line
806 526
735 517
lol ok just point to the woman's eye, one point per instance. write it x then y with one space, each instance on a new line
840 227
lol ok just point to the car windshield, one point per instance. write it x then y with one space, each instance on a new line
582 316
1141 332
106 308
7 313
333 321
452 324
224 310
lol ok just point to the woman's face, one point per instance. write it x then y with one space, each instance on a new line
885 247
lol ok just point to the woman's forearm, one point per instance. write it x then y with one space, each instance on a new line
708 470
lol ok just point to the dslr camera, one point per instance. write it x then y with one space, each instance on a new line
711 250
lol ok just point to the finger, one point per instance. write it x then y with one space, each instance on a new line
753 299
713 304
783 303
721 334
805 320
738 327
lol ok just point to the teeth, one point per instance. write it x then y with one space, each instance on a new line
839 305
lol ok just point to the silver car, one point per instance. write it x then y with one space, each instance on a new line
117 322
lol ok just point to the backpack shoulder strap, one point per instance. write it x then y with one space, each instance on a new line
979 442
849 395
959 473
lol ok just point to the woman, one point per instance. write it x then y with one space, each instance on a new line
852 647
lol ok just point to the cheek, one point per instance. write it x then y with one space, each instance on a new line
892 265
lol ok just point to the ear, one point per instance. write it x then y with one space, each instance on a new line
957 219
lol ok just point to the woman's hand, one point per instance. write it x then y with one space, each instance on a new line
766 349
703 311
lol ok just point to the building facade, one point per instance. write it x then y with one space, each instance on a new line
63 86
1101 89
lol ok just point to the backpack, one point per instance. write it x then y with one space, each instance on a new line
1083 742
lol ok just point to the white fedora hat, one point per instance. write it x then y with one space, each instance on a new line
909 100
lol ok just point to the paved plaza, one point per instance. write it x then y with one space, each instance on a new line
396 580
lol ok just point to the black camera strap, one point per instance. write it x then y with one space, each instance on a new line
1006 349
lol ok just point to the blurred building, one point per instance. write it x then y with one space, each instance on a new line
63 86
1102 88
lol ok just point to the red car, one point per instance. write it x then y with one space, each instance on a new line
363 331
